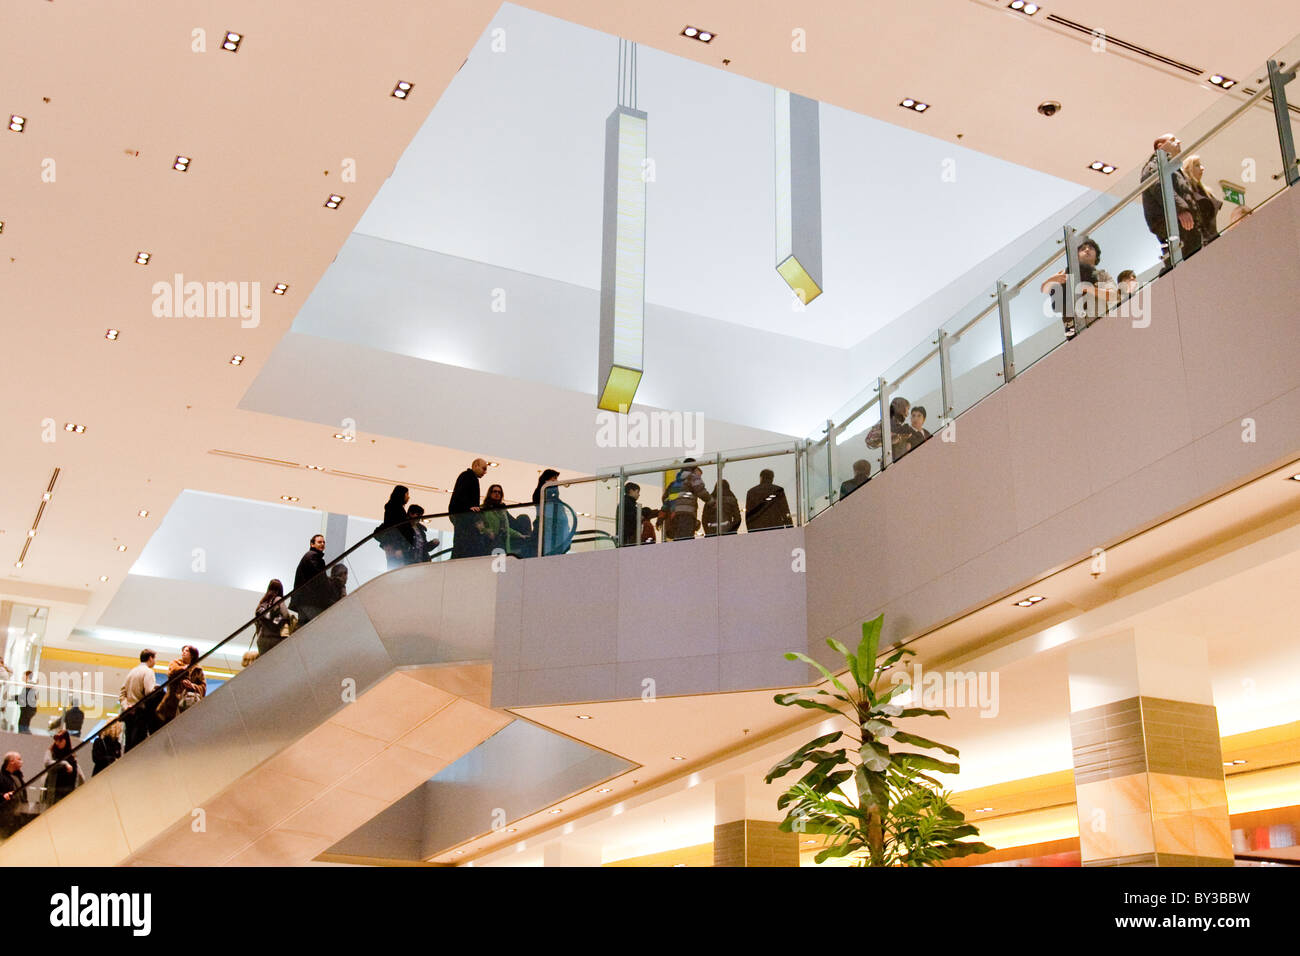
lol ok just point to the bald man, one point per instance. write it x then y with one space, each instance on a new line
465 498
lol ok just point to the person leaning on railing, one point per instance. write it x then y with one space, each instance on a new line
1153 206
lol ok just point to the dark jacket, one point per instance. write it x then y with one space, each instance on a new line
420 549
730 522
271 617
104 751
766 507
631 522
853 484
465 494
313 581
1185 197
396 532
74 718
11 781
1207 212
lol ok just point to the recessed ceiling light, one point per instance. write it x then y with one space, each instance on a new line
280 289
16 122
695 33
557 810
605 790
679 758
512 829
1030 601
32 533
1238 763
103 577
675 865
341 437
46 496
75 429
315 467
401 90
494 464
111 335
1101 167
231 42
236 360
143 513
584 716
288 498
2 225
333 201
181 164
1294 478
1108 169
18 564
1020 6
986 810
1218 79
142 258
916 105
121 547
806 842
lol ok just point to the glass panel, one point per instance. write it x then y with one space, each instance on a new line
818 465
1036 325
595 505
974 351
648 484
677 502
1116 260
854 461
757 500
915 395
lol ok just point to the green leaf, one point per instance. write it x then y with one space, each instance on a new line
922 712
801 756
882 728
796 656
905 738
796 700
867 650
920 761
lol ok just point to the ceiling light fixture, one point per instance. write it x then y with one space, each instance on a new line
494 464
1030 601
121 547
280 289
605 790
232 41
512 829
584 716
1100 167
46 496
401 89
182 164
1294 478
18 564
916 105
288 498
236 360
143 513
558 810
1020 6
103 577
695 33
16 122
75 429
32 533
679 758
1218 79
2 225
111 335
333 201
142 258
315 467
341 437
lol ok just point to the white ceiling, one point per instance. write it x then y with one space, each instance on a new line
508 169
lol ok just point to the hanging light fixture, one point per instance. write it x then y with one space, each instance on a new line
622 267
799 194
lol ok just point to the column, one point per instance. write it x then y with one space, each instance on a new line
745 831
1148 768
569 853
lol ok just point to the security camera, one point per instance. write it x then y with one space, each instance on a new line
1050 108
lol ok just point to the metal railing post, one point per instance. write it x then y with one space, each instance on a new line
1004 326
1073 281
1174 240
800 463
945 376
1277 81
619 509
886 451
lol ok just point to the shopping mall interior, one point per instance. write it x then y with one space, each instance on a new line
981 312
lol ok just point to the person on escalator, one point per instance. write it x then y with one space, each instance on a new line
494 525
395 535
64 774
311 593
463 510
422 548
553 515
631 526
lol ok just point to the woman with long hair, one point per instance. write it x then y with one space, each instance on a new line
495 526
724 502
185 686
271 617
395 534
64 774
1207 204
107 746
553 515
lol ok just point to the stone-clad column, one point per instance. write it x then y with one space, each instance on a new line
1148 768
745 831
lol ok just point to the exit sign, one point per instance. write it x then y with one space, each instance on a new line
1233 193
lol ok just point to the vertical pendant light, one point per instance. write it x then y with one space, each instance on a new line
622 271
799 194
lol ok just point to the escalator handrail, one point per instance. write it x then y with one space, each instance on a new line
155 695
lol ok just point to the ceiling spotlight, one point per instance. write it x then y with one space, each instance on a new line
333 201
915 105
280 289
494 464
142 258
182 164
18 564
679 758
236 360
103 577
1030 601
341 437
1108 169
1020 6
584 716
512 829
231 42
143 513
16 123
32 533
75 429
111 335
121 547
401 89
46 496
288 498
1294 478
695 33
2 226
315 467
1098 166
1218 79
557 810
605 790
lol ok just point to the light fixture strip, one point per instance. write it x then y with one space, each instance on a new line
40 511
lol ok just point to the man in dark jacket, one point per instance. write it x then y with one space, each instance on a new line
766 505
631 531
311 586
13 794
463 509
1185 202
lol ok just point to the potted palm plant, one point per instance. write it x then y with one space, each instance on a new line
872 803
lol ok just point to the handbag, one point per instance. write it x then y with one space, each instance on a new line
290 625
